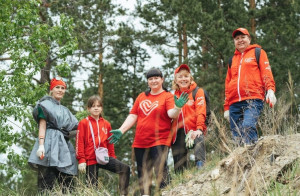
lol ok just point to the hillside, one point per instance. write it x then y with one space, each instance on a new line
251 170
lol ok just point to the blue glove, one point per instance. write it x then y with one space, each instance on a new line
184 97
115 137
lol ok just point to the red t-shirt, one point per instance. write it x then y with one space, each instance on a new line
153 123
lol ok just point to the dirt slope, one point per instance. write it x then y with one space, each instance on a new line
247 170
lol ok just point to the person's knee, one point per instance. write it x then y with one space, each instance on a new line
127 169
249 125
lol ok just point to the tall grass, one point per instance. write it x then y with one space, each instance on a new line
283 119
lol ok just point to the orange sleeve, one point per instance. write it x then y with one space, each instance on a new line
80 138
200 105
110 147
227 80
266 72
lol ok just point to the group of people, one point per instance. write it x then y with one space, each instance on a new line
163 120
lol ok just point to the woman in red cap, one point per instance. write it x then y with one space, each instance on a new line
190 126
53 154
249 76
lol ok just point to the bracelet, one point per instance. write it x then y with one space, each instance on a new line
41 138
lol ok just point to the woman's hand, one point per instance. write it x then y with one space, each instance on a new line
41 152
196 134
115 137
181 101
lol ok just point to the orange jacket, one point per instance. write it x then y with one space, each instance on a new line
84 141
193 113
245 80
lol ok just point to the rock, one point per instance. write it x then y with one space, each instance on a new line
247 170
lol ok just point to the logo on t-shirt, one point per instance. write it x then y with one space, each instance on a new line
104 130
147 106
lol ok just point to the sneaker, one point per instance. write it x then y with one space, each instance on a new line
199 164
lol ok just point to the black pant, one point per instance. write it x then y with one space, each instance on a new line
146 159
180 152
47 177
115 166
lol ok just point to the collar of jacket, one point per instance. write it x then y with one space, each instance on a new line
191 88
250 47
49 98
92 119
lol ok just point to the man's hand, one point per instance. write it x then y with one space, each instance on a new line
82 167
189 142
179 103
226 115
270 98
40 152
115 137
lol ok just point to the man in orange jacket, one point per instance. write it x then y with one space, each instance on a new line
245 86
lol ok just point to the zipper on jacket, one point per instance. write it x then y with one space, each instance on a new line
239 77
98 132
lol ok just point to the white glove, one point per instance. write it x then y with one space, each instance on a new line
41 152
270 98
82 167
196 134
226 115
189 142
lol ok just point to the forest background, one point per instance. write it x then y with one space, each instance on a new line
101 47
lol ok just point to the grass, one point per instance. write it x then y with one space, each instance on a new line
288 184
283 120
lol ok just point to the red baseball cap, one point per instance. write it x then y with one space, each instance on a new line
57 81
242 30
183 66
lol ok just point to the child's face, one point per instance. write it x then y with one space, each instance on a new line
95 110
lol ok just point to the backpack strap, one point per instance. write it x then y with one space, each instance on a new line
230 61
195 92
257 56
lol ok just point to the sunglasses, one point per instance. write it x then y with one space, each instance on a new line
60 78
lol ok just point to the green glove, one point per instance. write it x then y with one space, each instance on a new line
184 97
115 137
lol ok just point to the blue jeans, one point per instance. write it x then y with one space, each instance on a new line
243 120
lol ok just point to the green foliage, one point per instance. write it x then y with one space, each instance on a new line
63 69
40 36
26 42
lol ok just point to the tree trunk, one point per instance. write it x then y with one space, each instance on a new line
100 83
180 44
45 72
185 44
252 20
